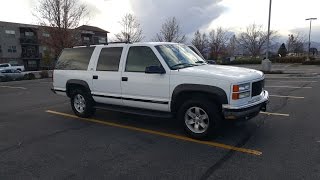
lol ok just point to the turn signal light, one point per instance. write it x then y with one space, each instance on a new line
235 88
235 96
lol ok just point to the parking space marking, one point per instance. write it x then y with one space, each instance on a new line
295 81
291 87
13 87
293 97
168 135
274 114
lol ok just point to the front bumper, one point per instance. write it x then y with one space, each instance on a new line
248 111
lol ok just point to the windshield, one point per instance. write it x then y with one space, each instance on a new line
179 56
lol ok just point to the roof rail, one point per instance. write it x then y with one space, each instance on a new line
118 42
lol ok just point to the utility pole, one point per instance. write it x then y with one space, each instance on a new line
309 19
266 63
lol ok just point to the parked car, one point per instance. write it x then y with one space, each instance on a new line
158 79
194 49
10 74
11 66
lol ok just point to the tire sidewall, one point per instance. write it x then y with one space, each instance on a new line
88 101
209 108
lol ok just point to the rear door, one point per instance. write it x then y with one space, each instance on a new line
106 76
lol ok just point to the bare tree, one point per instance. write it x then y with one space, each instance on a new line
200 41
218 39
254 39
131 31
295 43
171 32
232 46
58 20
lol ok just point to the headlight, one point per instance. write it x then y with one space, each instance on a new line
241 87
241 91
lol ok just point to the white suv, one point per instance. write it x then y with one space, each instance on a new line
158 79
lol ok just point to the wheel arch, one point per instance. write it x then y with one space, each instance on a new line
76 83
183 91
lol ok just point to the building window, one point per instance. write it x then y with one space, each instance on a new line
0 49
12 49
102 40
86 38
10 33
29 33
45 34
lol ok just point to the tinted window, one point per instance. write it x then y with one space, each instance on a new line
139 58
4 65
109 59
74 59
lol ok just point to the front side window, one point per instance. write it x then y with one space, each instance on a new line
179 56
74 59
140 57
109 59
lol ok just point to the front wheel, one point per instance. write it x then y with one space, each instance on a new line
200 117
82 103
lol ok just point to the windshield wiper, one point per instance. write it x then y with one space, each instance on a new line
200 61
182 64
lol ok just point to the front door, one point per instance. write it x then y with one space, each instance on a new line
148 91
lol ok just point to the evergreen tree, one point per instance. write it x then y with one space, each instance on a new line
282 50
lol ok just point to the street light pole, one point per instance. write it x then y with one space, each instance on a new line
309 19
266 63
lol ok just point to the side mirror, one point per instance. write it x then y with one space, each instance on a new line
155 70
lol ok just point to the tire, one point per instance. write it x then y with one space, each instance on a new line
82 103
199 117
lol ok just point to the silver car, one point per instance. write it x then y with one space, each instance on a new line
10 74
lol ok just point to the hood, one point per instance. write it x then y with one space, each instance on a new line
229 73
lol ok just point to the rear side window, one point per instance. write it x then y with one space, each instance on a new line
109 59
74 59
140 57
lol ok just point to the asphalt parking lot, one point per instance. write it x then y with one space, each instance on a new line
40 138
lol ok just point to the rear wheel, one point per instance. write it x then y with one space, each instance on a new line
82 103
200 117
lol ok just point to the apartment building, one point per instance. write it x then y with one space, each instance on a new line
19 43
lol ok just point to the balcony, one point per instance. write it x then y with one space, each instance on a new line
30 55
29 41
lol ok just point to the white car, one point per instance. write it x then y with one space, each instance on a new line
158 79
10 66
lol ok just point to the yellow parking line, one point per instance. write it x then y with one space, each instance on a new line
13 87
293 87
275 114
183 138
293 97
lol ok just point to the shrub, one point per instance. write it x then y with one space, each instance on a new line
243 61
289 59
44 74
29 76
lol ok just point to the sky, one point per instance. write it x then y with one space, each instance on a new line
288 16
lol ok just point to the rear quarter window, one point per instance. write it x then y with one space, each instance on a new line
74 59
